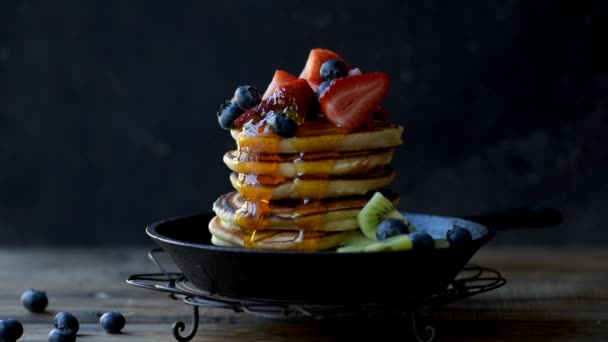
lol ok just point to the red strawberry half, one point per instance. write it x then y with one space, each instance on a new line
316 58
296 93
350 101
280 77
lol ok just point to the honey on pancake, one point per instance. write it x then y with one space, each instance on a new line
253 215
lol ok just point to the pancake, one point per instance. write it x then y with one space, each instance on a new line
281 240
338 214
219 242
320 164
381 136
312 187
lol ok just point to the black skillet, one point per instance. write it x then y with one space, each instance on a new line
331 277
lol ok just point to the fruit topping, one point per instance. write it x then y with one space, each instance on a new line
227 114
247 97
316 58
280 77
355 71
10 330
34 300
458 236
378 209
422 241
333 69
65 320
295 94
441 243
395 243
350 101
322 87
112 322
62 335
391 227
284 123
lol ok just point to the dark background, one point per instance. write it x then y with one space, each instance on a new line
107 108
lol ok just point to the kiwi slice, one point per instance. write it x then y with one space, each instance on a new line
441 243
378 209
395 243
355 244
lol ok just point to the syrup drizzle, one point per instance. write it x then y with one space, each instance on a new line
253 216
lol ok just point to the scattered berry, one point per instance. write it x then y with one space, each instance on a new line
228 112
34 300
391 227
422 241
10 330
333 69
65 320
247 97
458 236
283 123
62 335
112 322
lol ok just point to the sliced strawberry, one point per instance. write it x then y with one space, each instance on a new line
280 77
296 93
316 58
350 101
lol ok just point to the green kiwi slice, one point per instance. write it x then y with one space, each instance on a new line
395 243
378 209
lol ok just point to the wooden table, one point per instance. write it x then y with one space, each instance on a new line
551 295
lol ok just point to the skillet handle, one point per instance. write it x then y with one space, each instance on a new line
519 218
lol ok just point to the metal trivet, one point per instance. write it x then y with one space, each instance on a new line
472 280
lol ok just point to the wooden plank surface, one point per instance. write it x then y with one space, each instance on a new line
551 295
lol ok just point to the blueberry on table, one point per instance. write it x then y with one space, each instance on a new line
10 330
391 227
247 97
65 320
422 241
228 112
62 335
112 322
282 123
333 69
34 300
458 236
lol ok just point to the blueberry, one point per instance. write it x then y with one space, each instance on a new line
112 322
333 69
228 112
247 97
283 123
65 320
10 330
390 227
422 241
323 87
458 236
62 335
34 300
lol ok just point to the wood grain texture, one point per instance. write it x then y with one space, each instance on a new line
551 295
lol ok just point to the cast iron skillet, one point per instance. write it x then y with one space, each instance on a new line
331 277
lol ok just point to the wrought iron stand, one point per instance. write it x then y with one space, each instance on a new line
472 280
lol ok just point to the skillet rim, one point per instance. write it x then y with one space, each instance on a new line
151 231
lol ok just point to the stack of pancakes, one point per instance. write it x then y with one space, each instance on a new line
303 192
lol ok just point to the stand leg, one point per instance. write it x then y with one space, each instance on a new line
180 326
422 332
